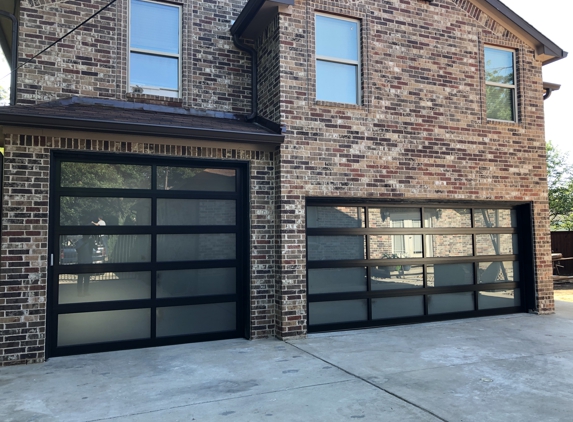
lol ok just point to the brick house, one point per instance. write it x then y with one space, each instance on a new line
188 171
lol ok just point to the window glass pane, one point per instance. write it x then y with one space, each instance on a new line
492 299
150 19
499 103
451 302
498 66
396 246
337 311
397 307
199 179
107 286
322 248
495 218
201 282
196 212
78 211
498 272
438 245
333 280
336 38
336 82
195 247
196 319
153 71
100 175
443 217
347 217
496 244
94 249
99 327
394 217
397 277
440 275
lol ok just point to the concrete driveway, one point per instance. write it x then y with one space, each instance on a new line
508 368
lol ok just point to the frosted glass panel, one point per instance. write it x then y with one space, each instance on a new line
440 275
208 281
397 277
332 280
196 319
108 286
492 299
196 212
95 249
498 272
452 302
80 211
335 247
195 247
496 244
99 327
337 311
397 307
345 217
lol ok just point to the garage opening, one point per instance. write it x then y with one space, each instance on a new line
146 252
394 263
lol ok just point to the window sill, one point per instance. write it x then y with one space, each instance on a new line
502 122
323 103
154 99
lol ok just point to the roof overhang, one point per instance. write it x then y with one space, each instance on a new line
546 50
256 15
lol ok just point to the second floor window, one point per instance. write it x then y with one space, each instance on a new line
337 59
154 48
500 84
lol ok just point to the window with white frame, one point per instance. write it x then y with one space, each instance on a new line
500 83
337 59
155 48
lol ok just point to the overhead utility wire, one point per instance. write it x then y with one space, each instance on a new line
61 38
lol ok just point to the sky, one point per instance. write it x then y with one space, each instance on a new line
552 20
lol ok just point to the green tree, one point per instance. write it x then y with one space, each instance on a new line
560 184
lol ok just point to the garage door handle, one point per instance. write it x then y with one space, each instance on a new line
51 260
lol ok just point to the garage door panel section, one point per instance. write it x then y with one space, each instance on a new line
147 253
379 264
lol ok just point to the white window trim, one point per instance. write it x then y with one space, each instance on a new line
343 61
156 90
500 85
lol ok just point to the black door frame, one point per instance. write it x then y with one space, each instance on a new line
242 261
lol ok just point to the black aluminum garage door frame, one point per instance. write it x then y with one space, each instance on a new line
525 257
242 230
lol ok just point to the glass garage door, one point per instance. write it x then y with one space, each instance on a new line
145 253
370 265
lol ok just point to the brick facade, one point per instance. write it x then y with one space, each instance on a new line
420 133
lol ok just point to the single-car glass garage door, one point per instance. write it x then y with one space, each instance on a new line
145 252
381 264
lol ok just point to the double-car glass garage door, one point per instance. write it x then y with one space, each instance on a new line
374 265
145 252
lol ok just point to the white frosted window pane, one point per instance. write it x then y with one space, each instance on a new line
196 212
397 277
499 299
452 302
195 247
154 71
322 248
332 280
337 311
196 319
108 286
440 275
208 281
337 38
397 307
336 82
154 27
99 327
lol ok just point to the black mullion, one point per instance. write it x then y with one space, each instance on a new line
445 231
53 253
409 261
153 308
368 267
474 248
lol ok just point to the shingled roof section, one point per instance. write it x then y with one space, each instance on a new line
112 116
